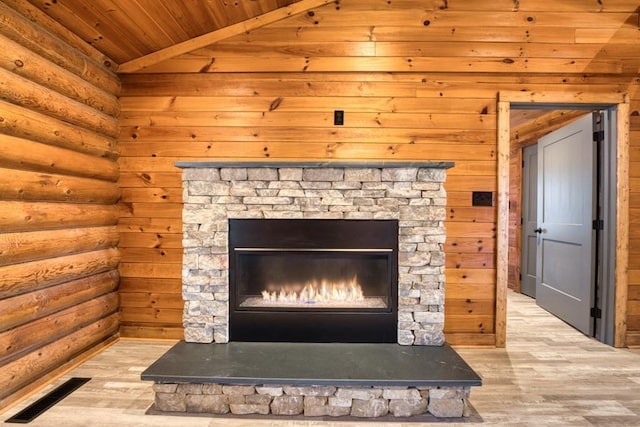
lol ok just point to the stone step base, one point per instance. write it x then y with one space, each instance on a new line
311 401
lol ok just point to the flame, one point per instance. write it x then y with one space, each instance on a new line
322 291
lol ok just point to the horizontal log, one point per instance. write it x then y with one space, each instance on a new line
150 225
24 123
25 338
480 230
421 64
150 179
438 85
480 324
439 17
152 194
151 300
458 198
35 305
152 210
501 5
283 134
466 340
471 306
151 255
460 260
18 153
50 24
150 284
137 316
19 29
36 186
18 279
471 245
35 245
633 323
471 183
352 119
23 62
151 240
474 214
152 332
29 216
470 290
25 93
21 372
470 275
150 270
436 150
158 109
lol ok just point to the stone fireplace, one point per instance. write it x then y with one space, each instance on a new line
316 290
411 194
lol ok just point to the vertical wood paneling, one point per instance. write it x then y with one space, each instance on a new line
58 212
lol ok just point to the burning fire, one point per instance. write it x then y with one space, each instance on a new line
317 292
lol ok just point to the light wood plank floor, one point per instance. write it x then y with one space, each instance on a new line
549 374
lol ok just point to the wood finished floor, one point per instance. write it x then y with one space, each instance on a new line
549 374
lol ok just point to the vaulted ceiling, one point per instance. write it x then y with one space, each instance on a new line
124 30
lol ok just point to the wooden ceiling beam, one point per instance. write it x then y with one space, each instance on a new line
215 36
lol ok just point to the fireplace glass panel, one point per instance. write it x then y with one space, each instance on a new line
313 279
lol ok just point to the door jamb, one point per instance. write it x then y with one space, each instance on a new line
621 102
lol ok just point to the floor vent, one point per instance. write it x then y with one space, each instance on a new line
32 411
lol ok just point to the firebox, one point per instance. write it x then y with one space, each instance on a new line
313 280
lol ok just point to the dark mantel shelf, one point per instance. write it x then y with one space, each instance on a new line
317 164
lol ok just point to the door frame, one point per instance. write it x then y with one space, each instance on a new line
564 100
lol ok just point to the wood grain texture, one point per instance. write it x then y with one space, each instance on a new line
58 194
548 375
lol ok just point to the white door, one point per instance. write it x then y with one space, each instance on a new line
566 174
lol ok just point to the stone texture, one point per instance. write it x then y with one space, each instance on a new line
408 408
287 405
171 402
165 388
310 391
405 394
247 409
270 391
414 196
446 408
315 401
371 408
358 393
207 403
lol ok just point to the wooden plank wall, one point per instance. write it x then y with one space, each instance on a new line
58 201
416 80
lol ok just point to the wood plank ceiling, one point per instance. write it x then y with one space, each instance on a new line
128 29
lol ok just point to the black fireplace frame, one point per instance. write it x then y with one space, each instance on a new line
347 325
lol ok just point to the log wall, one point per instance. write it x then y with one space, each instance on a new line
58 201
416 80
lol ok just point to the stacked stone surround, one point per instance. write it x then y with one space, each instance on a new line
311 401
414 195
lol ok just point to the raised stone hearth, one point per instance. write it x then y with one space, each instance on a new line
410 192
312 379
417 376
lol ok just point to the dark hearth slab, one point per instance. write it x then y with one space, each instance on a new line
306 364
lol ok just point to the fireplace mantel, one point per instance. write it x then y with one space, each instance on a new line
317 164
410 192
